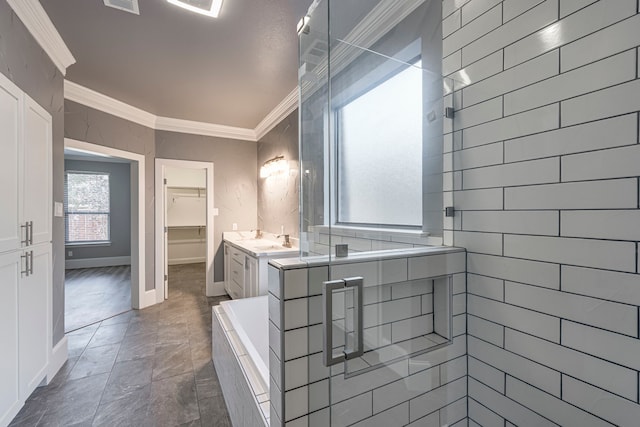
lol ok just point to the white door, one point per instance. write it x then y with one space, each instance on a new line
33 325
37 171
10 268
10 96
166 239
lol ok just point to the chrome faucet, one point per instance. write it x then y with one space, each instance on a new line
287 242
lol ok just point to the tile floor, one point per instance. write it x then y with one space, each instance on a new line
95 294
142 368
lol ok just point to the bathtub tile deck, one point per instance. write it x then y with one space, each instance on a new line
145 368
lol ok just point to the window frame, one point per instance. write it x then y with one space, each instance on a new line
336 114
66 212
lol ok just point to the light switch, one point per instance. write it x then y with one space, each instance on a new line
58 209
216 212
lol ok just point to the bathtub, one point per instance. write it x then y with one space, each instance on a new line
240 349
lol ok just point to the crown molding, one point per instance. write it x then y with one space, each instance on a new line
34 17
206 129
282 110
96 100
85 96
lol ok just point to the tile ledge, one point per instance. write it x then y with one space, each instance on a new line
318 261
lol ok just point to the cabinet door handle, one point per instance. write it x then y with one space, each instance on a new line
30 233
25 227
30 259
25 272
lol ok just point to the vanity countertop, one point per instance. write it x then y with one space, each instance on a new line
269 245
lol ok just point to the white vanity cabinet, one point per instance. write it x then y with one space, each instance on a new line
25 247
246 266
240 273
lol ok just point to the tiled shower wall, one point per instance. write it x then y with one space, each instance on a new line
426 389
543 170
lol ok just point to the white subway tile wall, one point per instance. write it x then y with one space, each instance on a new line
393 388
551 224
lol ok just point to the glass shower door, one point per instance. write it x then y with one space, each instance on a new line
373 112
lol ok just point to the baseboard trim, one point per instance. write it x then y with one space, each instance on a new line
215 289
193 260
72 264
59 356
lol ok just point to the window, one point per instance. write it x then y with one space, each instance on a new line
379 170
87 208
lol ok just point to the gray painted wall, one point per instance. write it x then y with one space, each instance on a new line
235 177
235 173
86 124
120 209
24 62
279 196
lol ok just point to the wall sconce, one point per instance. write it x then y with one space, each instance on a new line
274 166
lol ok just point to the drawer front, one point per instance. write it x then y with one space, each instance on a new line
237 256
237 271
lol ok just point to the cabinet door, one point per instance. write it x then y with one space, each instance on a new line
9 390
10 128
227 269
250 277
33 322
37 170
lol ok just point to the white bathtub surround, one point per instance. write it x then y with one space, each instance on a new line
387 385
547 207
240 355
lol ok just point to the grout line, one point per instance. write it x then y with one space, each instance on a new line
560 223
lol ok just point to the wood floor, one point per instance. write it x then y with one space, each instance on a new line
148 367
95 294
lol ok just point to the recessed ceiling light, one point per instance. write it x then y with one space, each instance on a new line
204 7
130 6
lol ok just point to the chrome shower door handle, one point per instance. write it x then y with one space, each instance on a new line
329 357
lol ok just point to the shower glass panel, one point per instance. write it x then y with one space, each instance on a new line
373 111
371 125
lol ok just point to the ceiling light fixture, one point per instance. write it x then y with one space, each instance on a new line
213 11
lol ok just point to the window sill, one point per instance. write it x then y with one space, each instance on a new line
88 244
354 231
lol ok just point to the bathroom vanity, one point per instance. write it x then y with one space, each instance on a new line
245 261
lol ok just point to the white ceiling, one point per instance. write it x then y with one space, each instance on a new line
173 63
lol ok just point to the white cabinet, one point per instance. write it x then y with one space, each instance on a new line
234 272
10 140
10 401
36 203
250 276
246 270
25 247
240 273
34 312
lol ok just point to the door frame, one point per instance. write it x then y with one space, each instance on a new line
140 297
160 167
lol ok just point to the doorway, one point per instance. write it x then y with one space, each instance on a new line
126 269
184 221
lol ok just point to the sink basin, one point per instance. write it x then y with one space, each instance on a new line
270 247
